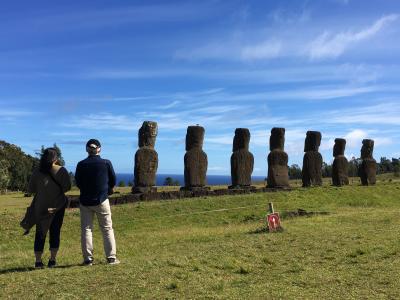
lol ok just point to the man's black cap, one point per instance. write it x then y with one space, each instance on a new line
93 143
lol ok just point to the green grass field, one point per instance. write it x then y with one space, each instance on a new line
209 248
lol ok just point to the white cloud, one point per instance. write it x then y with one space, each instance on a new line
13 115
354 138
264 50
103 121
170 105
351 73
85 19
331 46
282 16
221 139
234 49
380 114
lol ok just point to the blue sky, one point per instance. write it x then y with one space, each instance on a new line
75 70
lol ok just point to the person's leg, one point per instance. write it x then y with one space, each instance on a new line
55 231
86 232
103 212
39 246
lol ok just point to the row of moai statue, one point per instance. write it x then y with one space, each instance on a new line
242 161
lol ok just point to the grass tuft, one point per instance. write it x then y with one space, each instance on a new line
243 271
172 286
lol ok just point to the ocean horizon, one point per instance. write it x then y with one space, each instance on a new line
160 179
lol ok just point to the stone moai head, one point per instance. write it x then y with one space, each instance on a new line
339 147
313 141
367 149
147 134
241 139
277 139
194 137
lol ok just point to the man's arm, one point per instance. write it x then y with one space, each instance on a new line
112 180
78 176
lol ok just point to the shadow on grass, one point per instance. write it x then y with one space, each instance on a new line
29 269
265 229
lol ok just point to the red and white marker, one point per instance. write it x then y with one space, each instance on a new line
274 222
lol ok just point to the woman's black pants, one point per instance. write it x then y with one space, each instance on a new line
54 232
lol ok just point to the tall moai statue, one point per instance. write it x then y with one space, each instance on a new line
278 170
146 159
312 161
340 166
367 169
195 160
242 161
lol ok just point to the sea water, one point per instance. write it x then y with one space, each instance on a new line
211 179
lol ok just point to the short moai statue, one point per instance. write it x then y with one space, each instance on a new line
242 161
146 159
278 170
340 166
195 160
312 161
367 169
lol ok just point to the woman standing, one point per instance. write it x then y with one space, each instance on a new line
49 183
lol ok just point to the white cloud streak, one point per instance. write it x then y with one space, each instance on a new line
264 50
351 73
14 113
233 50
379 114
103 121
331 46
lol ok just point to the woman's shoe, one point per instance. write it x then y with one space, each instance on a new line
39 265
51 264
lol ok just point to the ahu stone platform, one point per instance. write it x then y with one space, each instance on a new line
132 198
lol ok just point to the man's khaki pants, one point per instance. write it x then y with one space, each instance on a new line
103 213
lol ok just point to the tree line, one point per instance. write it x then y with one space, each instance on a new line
16 166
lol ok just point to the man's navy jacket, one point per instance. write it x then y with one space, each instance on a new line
94 176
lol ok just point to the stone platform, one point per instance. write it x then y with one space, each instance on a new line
132 198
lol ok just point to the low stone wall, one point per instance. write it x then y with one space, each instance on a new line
132 198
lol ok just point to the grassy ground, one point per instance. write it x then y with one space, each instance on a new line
193 248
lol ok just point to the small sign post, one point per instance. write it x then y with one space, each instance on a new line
274 222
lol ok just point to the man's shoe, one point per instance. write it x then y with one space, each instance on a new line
39 265
113 261
88 262
51 264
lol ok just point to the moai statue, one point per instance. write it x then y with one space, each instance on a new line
367 169
242 161
195 160
278 170
146 159
312 161
340 166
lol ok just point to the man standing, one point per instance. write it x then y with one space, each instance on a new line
95 178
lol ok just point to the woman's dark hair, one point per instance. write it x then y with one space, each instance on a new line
49 156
